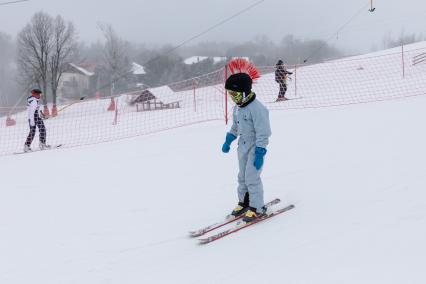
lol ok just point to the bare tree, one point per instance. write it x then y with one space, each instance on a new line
34 47
63 51
7 70
115 60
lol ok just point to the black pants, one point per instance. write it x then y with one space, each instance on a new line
283 89
41 129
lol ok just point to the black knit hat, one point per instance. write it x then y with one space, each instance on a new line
239 82
280 62
36 91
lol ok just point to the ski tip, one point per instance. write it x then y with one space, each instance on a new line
194 234
202 241
288 207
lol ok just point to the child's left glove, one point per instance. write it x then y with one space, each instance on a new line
259 153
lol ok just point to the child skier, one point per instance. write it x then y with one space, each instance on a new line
251 124
35 120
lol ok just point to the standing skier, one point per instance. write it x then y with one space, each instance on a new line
251 124
35 119
281 78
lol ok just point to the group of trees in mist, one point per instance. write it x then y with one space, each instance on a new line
40 54
389 41
165 64
8 86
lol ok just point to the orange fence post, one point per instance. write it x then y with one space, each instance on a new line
111 106
46 112
403 63
54 111
195 102
10 121
226 97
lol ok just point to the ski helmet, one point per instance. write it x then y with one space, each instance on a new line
240 82
36 93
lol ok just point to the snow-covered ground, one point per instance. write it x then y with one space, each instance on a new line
119 212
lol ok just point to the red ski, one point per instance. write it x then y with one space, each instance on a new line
241 225
229 219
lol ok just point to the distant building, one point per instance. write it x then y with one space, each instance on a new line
194 59
216 59
197 59
138 77
86 79
78 81
242 57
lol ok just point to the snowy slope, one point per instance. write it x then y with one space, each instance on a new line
119 212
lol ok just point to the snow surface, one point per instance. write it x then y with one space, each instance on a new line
119 212
412 47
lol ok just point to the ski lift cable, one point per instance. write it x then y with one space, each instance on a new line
216 25
337 31
12 2
192 38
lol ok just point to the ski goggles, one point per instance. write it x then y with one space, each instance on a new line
237 97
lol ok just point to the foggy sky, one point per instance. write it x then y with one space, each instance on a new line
173 21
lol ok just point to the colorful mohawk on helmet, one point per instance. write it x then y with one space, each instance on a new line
240 65
243 74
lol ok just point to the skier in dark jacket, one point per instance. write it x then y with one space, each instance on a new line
281 78
251 125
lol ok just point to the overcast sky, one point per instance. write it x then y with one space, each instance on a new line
174 21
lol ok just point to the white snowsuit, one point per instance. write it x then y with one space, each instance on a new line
251 124
35 120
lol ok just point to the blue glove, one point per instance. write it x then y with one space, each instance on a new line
228 140
259 153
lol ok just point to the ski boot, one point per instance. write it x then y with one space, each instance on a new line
281 98
239 210
252 214
27 148
44 146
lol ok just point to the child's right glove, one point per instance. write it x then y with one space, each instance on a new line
228 140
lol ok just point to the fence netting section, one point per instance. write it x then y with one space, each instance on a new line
333 83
